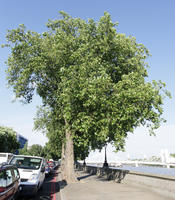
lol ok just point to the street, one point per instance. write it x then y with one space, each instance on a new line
49 191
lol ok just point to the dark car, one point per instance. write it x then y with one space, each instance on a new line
9 182
51 166
47 170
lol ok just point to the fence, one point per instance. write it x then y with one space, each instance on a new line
110 174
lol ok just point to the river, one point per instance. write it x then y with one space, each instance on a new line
150 169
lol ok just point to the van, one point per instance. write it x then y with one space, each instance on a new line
5 157
32 173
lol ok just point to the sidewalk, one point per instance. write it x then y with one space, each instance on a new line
91 187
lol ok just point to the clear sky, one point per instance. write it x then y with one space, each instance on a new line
151 22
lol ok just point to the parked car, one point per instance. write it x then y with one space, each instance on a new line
47 170
5 157
32 173
51 165
9 182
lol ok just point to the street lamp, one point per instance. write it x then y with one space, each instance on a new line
105 164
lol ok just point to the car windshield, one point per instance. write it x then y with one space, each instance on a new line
26 162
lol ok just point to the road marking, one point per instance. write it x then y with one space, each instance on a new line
53 193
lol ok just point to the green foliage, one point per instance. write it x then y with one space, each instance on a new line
52 150
34 150
24 150
47 122
8 140
81 152
89 75
172 154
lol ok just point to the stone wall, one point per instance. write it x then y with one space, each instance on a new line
109 173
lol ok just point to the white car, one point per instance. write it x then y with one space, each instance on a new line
32 173
5 157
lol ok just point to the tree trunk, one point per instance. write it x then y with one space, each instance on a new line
63 161
69 171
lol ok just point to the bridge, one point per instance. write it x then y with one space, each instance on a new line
142 163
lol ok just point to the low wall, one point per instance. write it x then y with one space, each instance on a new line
164 185
109 173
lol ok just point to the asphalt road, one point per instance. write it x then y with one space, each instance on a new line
49 191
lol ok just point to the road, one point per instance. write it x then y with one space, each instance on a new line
49 191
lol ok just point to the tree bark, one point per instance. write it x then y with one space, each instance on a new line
63 161
69 171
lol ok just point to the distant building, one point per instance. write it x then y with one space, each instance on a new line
22 140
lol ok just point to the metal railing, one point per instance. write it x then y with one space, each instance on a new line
109 173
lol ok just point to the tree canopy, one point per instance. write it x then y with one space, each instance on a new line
91 77
8 140
34 150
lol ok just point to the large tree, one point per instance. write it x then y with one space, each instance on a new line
91 76
46 121
8 140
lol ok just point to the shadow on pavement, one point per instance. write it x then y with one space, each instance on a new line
104 175
83 177
62 184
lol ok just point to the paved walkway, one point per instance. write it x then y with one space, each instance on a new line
94 188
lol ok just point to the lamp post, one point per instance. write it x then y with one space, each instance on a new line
105 164
84 163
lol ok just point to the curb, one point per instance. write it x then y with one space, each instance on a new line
62 195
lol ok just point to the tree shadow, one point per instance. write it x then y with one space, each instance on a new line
62 184
104 174
84 177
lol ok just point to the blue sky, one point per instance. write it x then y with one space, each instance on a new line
151 22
